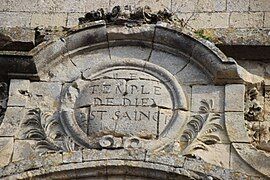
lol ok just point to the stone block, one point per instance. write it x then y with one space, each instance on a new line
44 95
95 32
6 150
244 20
48 19
235 126
18 92
191 75
72 157
171 63
90 60
11 121
205 20
70 73
15 19
237 5
214 96
260 5
234 97
142 35
267 20
121 52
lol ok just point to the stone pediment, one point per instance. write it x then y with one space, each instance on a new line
145 97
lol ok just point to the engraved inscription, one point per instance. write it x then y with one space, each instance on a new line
125 103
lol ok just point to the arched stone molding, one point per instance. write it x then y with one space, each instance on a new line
112 90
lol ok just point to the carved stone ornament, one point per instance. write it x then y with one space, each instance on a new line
258 127
122 105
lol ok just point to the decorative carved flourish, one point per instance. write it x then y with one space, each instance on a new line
3 99
201 129
118 14
253 109
257 126
45 129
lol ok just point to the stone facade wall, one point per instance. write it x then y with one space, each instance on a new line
196 13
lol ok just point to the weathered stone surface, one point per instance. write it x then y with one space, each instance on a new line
21 19
23 150
237 5
18 92
205 20
22 38
72 157
44 95
234 97
191 75
88 61
260 5
6 150
217 154
45 20
11 121
170 62
235 126
215 94
236 162
57 74
121 154
267 20
238 19
130 52
163 158
73 19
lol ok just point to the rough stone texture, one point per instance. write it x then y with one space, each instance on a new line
18 92
245 20
234 97
233 128
267 20
205 20
44 20
191 75
72 157
238 5
6 149
11 121
44 95
237 163
259 5
129 52
21 19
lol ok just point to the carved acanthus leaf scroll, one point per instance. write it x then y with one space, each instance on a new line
3 100
46 130
201 129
